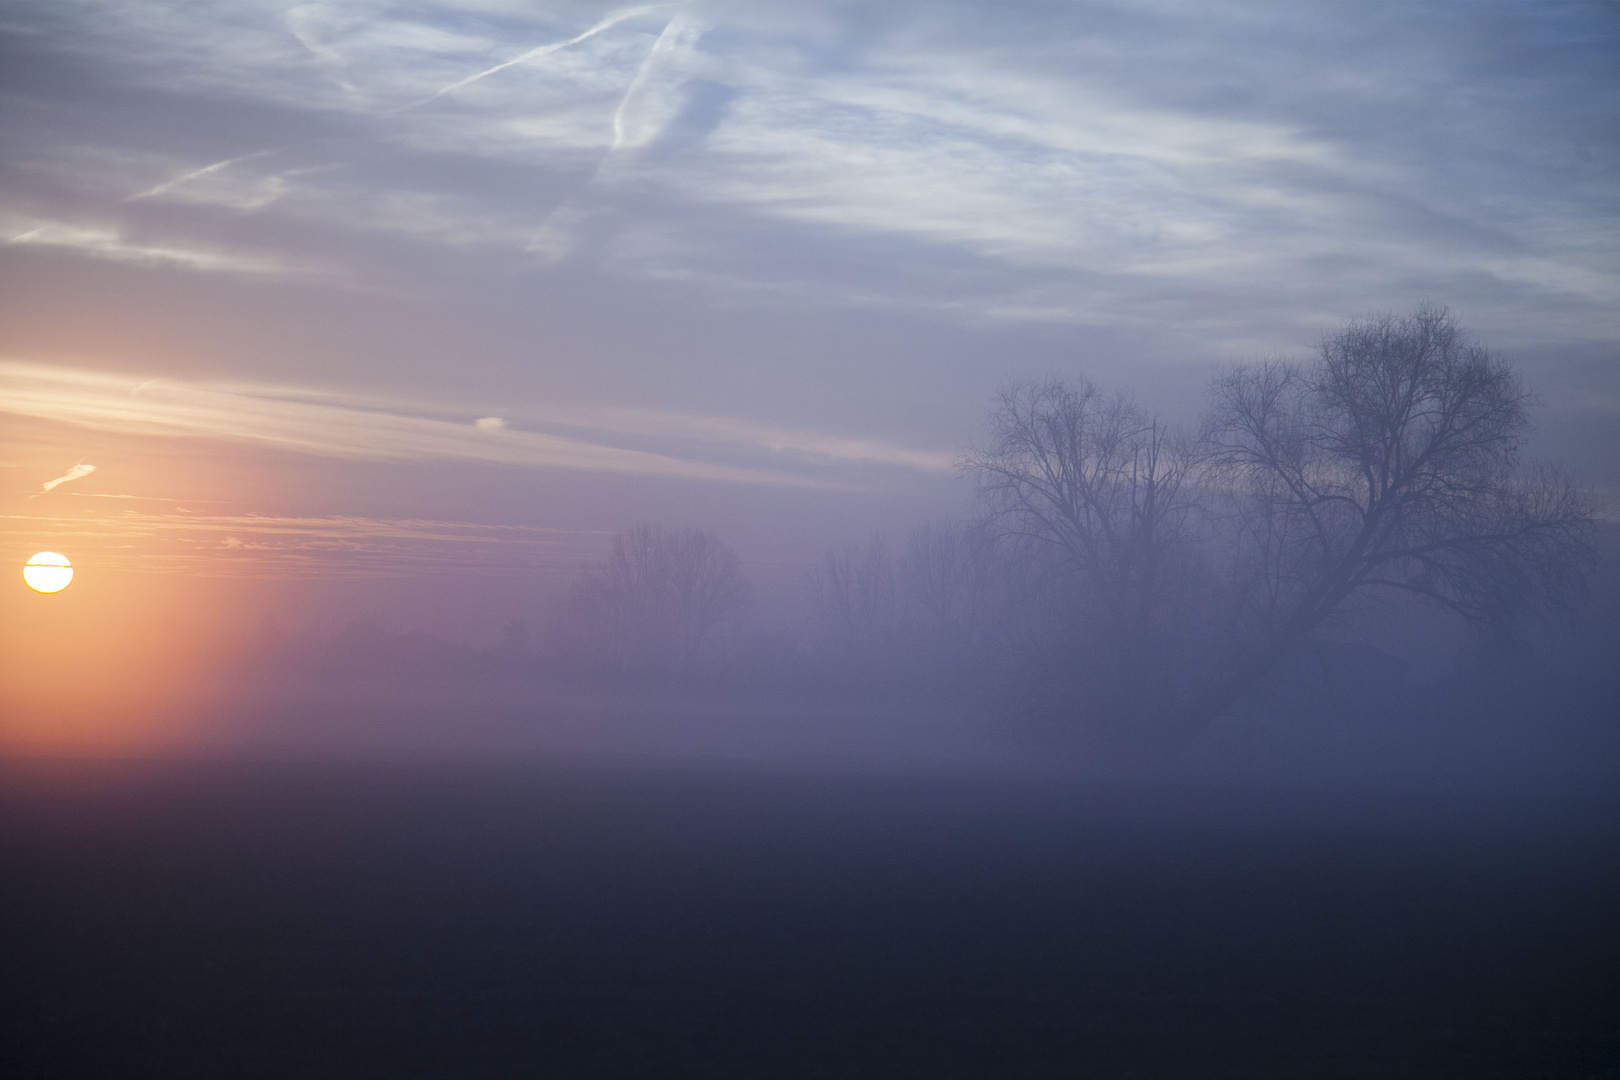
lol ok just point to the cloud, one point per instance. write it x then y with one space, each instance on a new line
796 442
1206 183
109 242
645 107
206 170
544 50
1115 152
77 471
323 547
312 422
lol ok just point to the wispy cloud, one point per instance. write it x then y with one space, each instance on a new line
76 472
1117 164
543 50
312 422
796 442
109 242
195 174
1208 181
630 122
265 545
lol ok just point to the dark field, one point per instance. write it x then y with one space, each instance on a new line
414 920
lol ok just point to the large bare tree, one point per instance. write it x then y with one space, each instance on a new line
1390 461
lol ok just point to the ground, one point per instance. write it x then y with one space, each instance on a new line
619 919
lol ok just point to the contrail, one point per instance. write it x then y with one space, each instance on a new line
666 41
549 235
74 473
325 54
543 50
612 20
204 171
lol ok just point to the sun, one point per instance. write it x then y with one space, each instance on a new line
48 572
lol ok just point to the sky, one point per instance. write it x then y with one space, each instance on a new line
398 310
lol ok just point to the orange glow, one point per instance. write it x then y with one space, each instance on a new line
120 662
48 572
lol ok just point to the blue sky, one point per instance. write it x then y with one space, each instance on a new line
759 266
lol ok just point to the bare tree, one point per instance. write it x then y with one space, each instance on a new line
854 595
948 578
1391 461
1099 487
657 602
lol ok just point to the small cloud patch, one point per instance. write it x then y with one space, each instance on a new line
72 474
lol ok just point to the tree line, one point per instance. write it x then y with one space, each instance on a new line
1141 577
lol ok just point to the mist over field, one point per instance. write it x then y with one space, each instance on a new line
823 539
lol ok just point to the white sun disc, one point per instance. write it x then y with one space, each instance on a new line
48 572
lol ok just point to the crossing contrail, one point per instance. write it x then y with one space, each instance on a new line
543 50
679 28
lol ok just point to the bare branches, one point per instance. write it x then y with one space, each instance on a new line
1388 462
1095 478
1100 490
854 594
654 606
1391 461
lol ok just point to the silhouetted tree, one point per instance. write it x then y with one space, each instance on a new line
1096 489
1390 461
657 603
921 617
853 593
949 579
